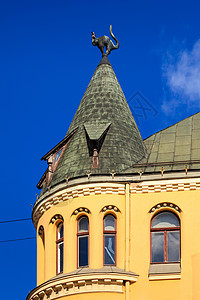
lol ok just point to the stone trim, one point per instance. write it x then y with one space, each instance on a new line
110 208
81 210
40 230
165 205
165 186
84 283
165 277
55 218
170 185
74 192
164 268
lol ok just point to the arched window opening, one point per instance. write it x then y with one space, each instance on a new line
41 233
165 238
83 239
60 247
109 240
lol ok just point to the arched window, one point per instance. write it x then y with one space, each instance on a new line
165 238
109 240
82 236
60 247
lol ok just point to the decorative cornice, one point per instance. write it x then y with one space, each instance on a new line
165 186
74 192
151 186
83 283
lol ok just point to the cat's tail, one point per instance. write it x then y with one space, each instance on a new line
114 38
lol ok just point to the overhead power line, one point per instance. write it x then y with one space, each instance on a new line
15 240
17 220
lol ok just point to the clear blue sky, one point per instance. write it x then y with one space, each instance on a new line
47 60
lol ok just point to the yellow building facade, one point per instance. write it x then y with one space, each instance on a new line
118 216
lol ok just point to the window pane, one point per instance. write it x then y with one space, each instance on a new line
57 155
165 219
60 231
83 251
109 223
109 250
173 246
60 257
83 224
157 246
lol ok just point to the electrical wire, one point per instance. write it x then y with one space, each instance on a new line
17 220
15 240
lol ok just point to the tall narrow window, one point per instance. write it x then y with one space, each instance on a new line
83 234
60 248
109 240
165 238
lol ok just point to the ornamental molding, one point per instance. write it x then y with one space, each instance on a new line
165 186
55 218
165 205
41 230
165 277
110 208
74 192
86 283
79 190
81 210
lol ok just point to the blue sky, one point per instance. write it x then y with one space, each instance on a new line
47 60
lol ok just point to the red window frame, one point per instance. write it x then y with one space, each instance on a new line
164 230
109 232
84 233
59 241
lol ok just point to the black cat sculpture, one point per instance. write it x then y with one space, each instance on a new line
105 41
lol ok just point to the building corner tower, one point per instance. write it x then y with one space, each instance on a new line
113 218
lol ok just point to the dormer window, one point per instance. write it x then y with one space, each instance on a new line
57 156
52 158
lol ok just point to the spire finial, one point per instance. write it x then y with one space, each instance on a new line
105 41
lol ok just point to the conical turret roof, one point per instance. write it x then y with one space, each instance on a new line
103 121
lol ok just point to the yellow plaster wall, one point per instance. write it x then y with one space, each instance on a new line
40 258
98 296
186 288
94 204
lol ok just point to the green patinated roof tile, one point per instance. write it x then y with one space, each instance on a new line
184 130
196 144
169 130
195 154
150 169
103 109
183 149
178 167
155 147
166 147
183 140
152 157
195 133
168 138
182 157
165 157
196 123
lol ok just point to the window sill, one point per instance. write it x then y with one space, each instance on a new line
165 271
